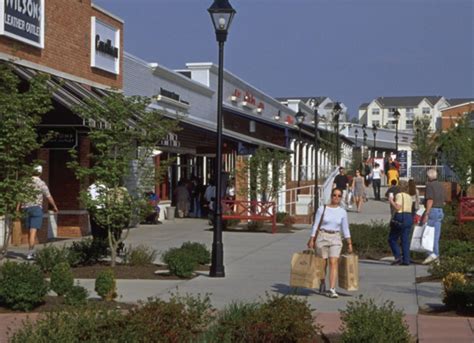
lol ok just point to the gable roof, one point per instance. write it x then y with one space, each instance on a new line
459 101
406 101
364 106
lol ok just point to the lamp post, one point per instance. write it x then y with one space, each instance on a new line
314 105
299 116
396 115
336 112
364 134
356 133
374 131
222 14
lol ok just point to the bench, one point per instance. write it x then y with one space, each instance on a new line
250 210
466 209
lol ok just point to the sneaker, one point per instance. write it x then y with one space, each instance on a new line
332 293
431 258
30 256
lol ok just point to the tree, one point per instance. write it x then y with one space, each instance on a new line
457 145
424 144
21 108
123 138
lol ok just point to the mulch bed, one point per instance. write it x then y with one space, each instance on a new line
52 303
146 272
442 311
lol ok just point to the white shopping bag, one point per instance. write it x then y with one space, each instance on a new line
427 241
415 244
52 225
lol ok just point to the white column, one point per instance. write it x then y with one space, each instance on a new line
293 159
204 170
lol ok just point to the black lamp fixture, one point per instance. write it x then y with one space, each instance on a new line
336 113
396 116
314 105
299 116
222 14
277 116
356 134
374 131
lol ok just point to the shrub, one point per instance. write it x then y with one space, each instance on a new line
140 255
181 319
288 221
76 296
255 225
456 248
370 240
198 251
449 265
278 319
364 321
461 298
180 262
280 216
89 251
105 285
62 279
452 280
230 223
22 285
75 325
50 256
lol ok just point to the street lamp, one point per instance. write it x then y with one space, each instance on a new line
356 133
374 131
314 105
222 14
336 112
364 134
396 115
299 116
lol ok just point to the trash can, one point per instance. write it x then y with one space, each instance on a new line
170 212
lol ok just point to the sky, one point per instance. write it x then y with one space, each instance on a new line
350 50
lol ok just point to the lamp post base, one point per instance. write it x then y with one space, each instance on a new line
217 266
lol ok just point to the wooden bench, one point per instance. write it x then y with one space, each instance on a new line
250 210
466 209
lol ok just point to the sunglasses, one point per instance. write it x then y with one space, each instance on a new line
337 195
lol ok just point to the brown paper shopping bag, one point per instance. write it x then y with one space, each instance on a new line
349 272
16 232
307 270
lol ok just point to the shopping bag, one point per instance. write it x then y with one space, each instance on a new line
415 243
349 272
307 270
427 240
52 225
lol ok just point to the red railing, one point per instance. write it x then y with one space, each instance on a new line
250 210
466 209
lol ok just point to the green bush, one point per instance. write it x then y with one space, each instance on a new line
76 296
105 285
180 262
50 256
370 240
449 265
364 321
456 248
22 285
198 251
181 319
140 255
461 298
280 216
77 324
278 319
62 279
89 251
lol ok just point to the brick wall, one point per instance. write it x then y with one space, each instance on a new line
67 41
451 115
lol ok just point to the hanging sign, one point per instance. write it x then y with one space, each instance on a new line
59 138
23 20
105 46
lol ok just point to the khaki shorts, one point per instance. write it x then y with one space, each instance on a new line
328 244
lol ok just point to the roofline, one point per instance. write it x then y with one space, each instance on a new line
458 105
113 16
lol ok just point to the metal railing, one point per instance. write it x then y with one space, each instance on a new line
418 173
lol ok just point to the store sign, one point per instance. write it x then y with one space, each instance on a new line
248 98
171 140
58 138
403 160
105 46
23 20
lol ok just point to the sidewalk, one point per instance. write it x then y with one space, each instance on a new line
257 263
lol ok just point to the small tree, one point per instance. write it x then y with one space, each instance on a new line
21 109
424 143
457 145
123 138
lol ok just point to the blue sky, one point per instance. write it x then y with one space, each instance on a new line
350 50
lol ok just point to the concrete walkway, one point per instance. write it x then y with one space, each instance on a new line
257 263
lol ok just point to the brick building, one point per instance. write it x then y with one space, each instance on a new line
80 46
450 115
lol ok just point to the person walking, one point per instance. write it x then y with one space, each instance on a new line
376 176
358 190
34 209
433 216
326 238
390 195
400 225
182 199
392 175
341 181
